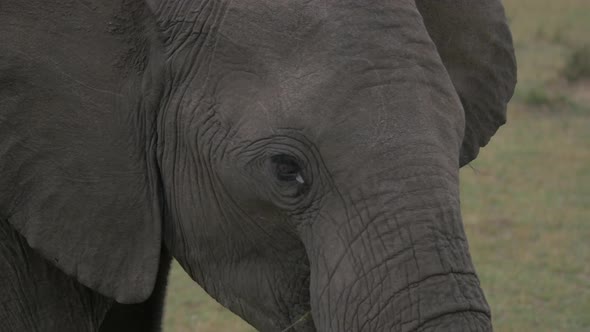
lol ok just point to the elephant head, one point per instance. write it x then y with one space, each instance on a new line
294 156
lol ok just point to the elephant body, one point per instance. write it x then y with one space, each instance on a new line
298 158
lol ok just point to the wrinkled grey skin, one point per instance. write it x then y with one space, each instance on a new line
293 156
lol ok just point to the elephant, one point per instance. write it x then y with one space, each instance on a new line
299 159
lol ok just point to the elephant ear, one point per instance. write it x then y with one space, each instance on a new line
475 44
77 176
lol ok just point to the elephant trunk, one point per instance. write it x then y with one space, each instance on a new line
395 259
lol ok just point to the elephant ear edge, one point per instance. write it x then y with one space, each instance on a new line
475 44
78 178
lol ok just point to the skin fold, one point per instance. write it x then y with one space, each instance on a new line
300 159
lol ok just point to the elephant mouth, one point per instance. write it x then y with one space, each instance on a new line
299 318
303 323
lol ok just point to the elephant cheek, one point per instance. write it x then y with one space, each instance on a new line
264 282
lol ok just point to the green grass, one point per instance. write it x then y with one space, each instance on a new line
526 206
526 199
190 309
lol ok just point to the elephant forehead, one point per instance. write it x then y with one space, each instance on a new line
324 32
309 65
365 105
285 23
302 59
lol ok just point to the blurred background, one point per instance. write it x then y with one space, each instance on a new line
525 200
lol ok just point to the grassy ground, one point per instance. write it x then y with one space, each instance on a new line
526 200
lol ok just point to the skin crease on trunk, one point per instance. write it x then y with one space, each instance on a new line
298 158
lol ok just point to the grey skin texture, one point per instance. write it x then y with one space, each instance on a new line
298 158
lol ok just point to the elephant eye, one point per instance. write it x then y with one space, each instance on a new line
287 168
